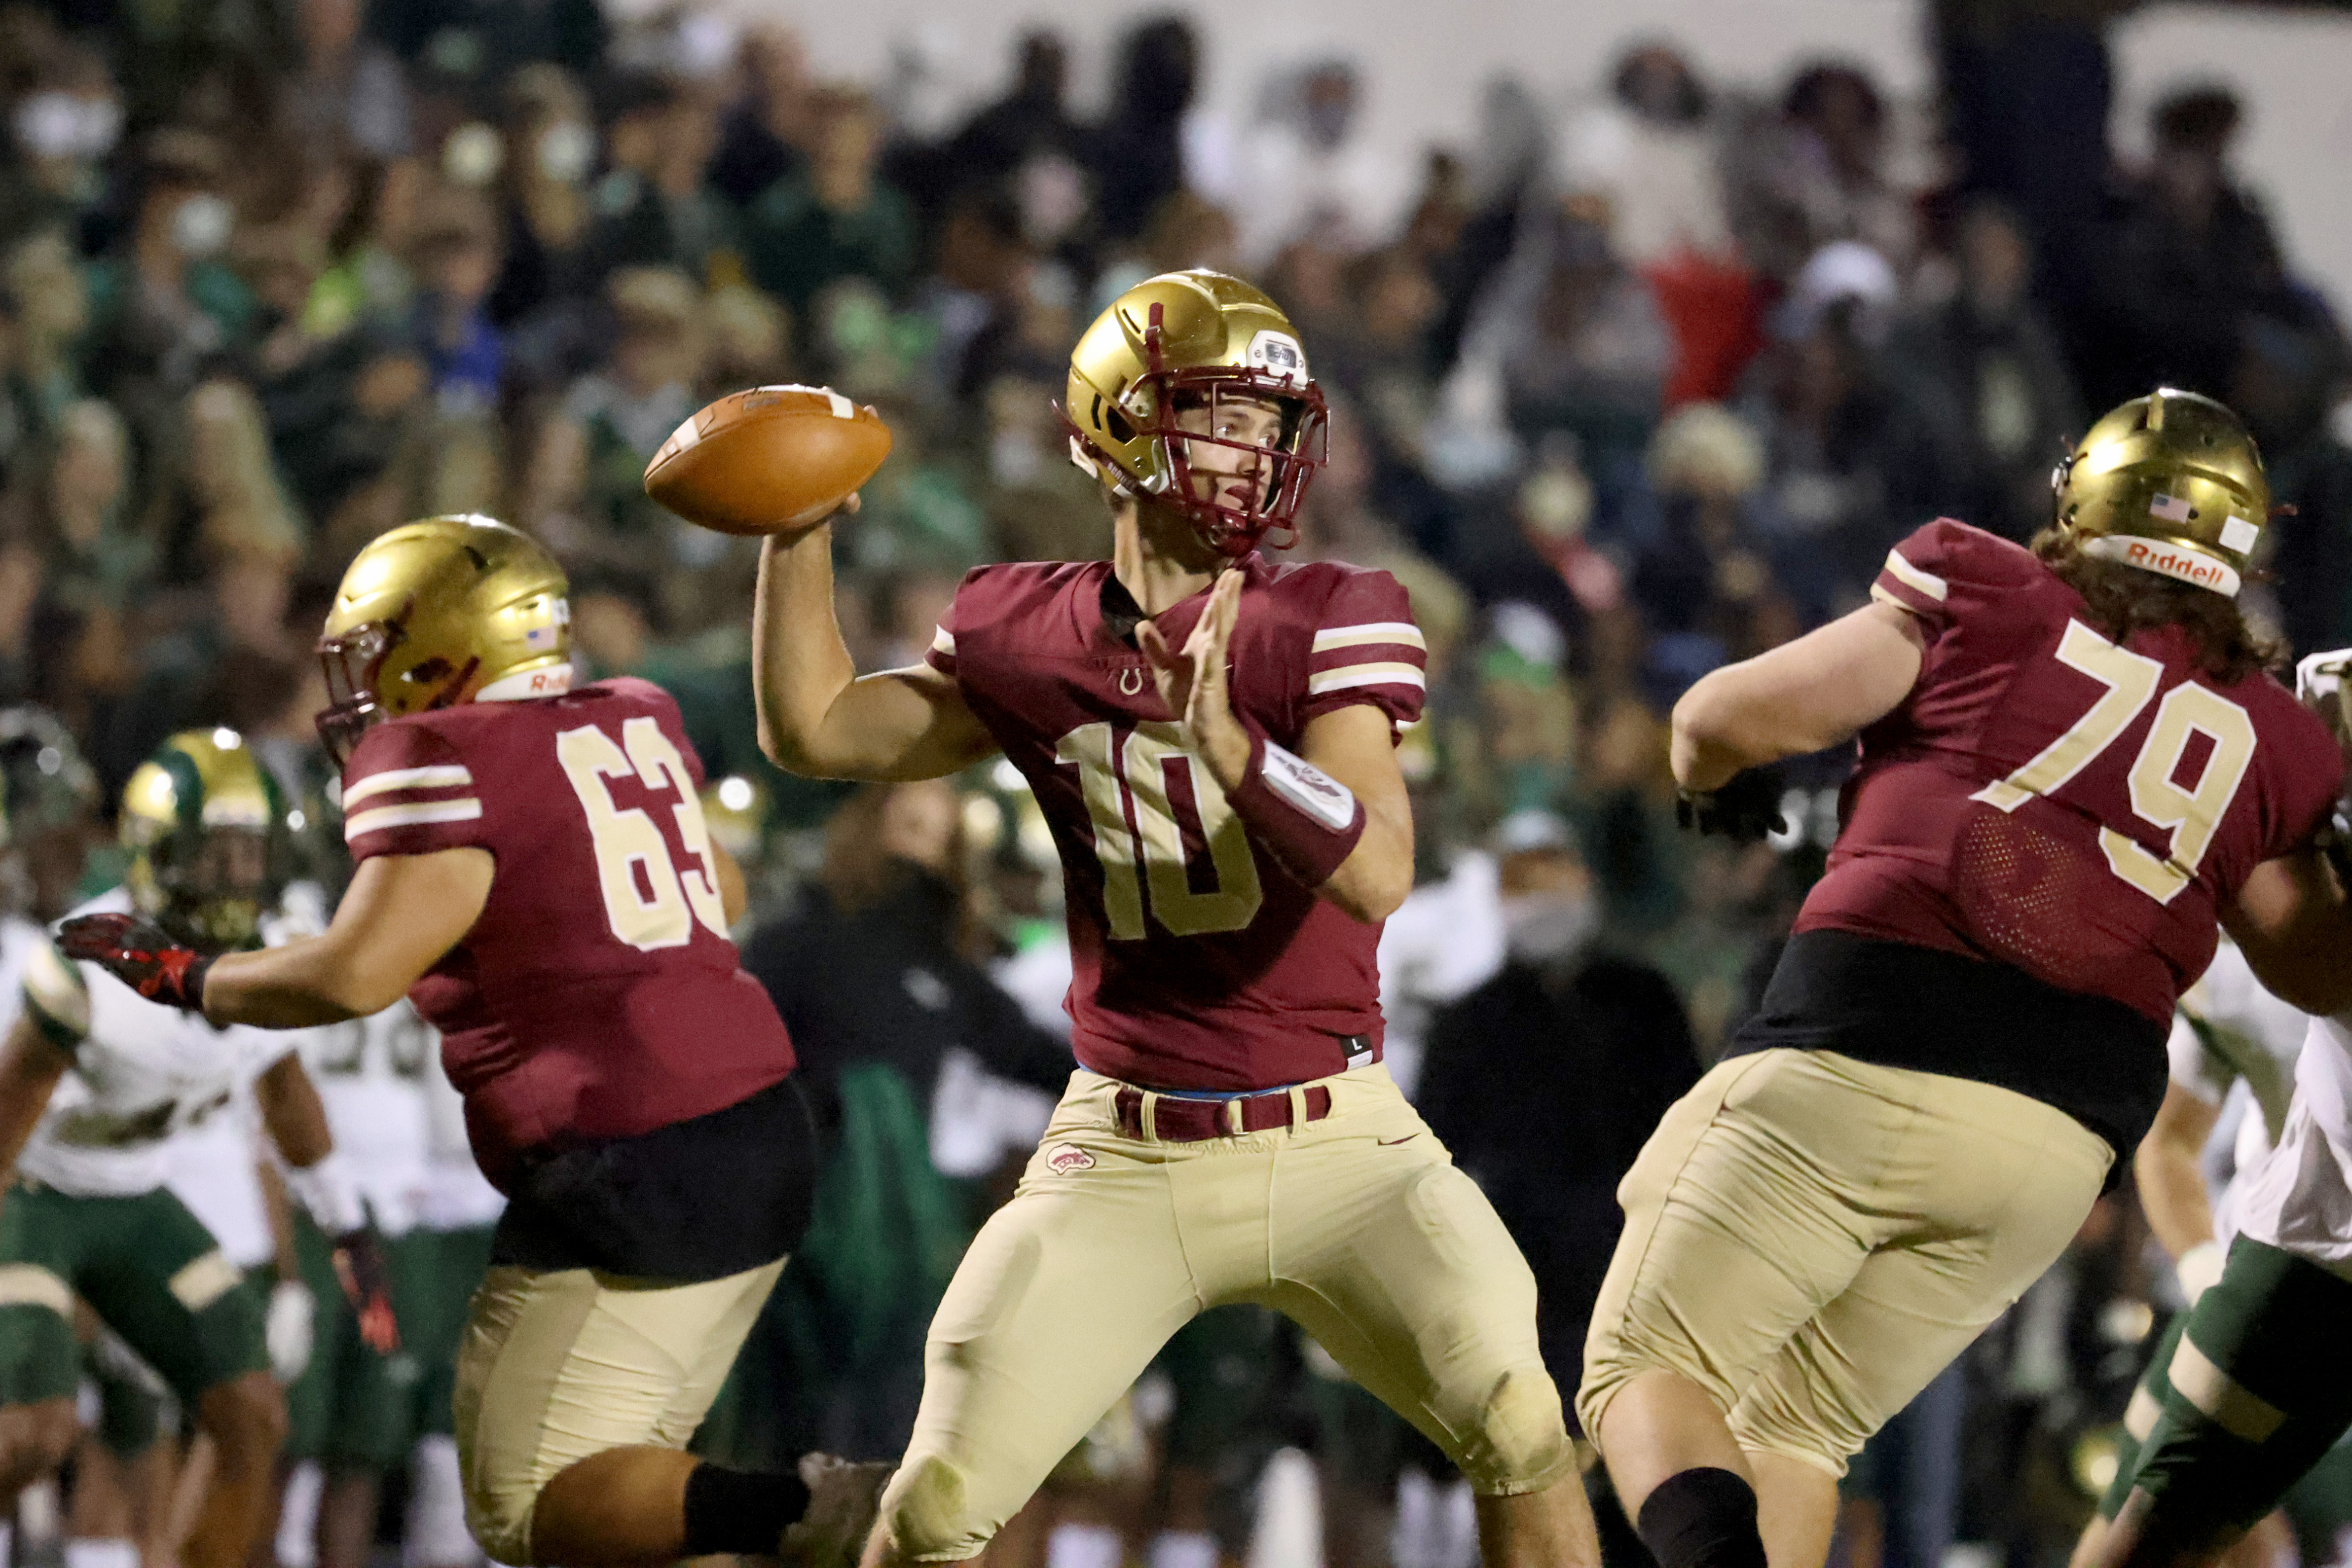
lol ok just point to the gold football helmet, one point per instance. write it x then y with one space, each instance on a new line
446 611
205 827
2170 483
1186 336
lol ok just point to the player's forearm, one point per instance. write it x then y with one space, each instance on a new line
2292 920
1737 719
292 1114
279 1212
29 1070
2173 1192
802 664
818 717
1378 873
1802 697
299 986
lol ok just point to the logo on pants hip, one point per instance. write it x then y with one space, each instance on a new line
1068 1157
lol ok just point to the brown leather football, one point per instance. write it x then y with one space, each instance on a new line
769 460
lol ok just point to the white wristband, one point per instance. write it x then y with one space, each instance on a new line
2199 1269
328 1193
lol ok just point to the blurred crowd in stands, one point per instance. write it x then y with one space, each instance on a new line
1627 385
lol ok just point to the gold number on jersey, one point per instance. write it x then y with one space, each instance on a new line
1112 771
2130 681
660 910
660 765
1090 748
2189 812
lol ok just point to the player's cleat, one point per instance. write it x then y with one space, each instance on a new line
844 1497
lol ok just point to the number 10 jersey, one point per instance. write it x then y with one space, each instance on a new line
2055 800
598 995
1198 962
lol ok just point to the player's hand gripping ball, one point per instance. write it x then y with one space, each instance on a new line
772 460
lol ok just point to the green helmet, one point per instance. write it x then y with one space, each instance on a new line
2170 483
205 826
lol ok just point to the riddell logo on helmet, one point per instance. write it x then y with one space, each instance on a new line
1068 1157
2175 563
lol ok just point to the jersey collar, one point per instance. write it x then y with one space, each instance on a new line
1119 614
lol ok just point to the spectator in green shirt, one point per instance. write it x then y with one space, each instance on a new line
836 219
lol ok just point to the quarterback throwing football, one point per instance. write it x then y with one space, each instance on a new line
2074 764
1211 738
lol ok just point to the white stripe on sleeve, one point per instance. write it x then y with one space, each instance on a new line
1403 631
436 778
1347 675
465 811
1919 581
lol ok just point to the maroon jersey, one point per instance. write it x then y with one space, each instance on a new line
1200 963
598 995
2053 800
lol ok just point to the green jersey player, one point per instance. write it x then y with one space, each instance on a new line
2257 1388
94 1080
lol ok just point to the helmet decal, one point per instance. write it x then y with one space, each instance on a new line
1278 352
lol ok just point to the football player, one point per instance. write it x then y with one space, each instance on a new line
94 1082
2254 1389
534 873
1211 738
2074 763
355 1411
2233 1057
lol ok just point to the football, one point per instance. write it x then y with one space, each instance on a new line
769 460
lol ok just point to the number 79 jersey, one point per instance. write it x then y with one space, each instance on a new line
598 995
2050 799
1198 963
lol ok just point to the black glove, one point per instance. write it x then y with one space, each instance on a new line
367 1285
1745 808
142 955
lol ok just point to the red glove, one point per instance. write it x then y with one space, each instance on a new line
367 1285
142 955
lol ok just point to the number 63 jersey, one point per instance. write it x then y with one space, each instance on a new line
1198 963
598 995
2050 798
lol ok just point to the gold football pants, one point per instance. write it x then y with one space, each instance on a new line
1358 1225
1810 1238
557 1364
